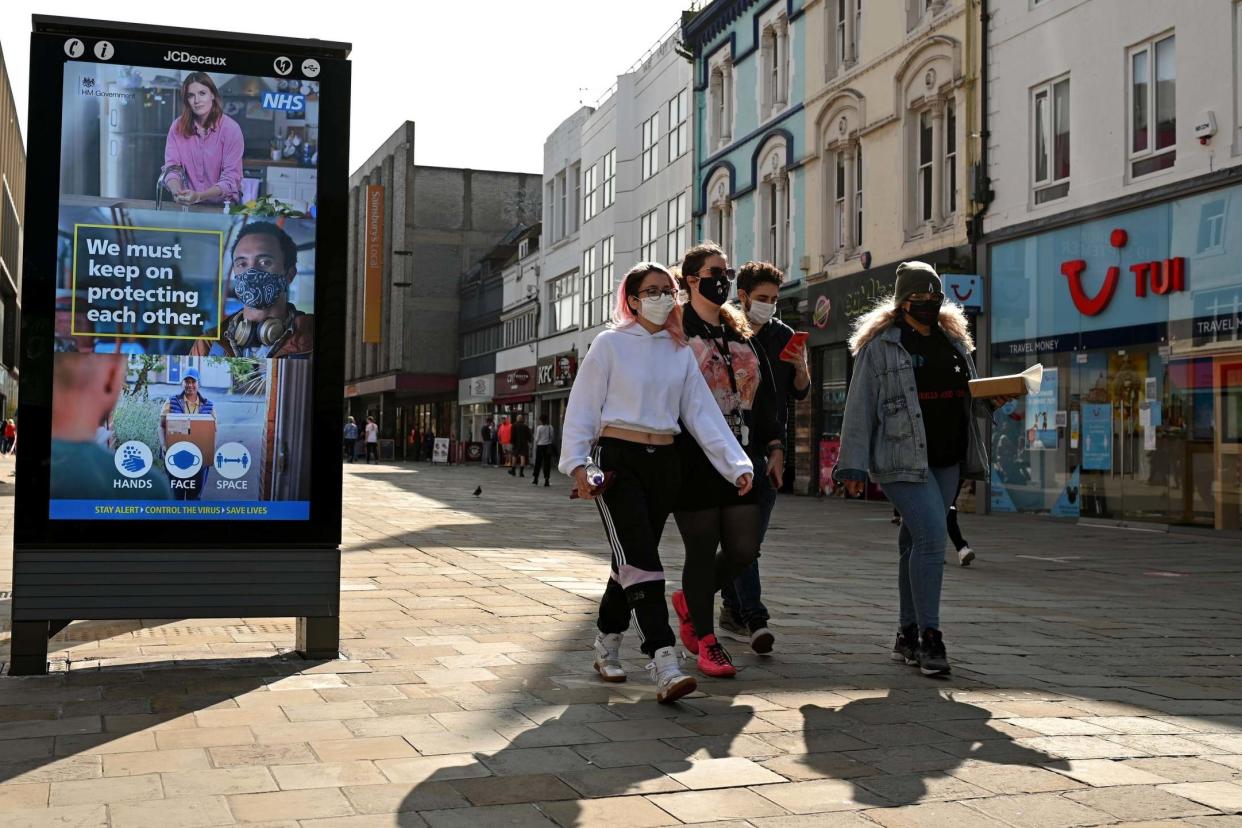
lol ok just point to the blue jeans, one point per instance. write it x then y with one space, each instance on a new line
920 573
742 598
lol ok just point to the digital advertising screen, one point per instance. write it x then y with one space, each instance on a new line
183 338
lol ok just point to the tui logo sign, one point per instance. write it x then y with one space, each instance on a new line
1163 277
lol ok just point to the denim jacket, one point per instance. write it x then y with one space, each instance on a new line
883 433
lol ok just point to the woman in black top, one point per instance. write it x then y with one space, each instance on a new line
720 529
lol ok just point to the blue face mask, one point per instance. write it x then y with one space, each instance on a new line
258 288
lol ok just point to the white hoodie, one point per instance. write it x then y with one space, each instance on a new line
641 381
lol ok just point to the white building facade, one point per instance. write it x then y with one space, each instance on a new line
1112 254
617 190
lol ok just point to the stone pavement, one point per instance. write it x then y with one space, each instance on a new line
1097 682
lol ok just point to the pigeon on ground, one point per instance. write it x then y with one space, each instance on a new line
478 491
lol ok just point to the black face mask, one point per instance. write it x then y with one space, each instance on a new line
926 311
715 290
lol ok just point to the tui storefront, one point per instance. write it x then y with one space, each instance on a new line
1136 317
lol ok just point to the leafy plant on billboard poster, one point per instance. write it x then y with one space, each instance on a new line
137 417
247 374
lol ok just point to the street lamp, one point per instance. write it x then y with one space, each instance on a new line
403 253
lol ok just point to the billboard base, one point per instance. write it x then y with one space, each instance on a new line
319 638
28 647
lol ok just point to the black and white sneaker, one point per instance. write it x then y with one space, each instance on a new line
932 658
906 647
761 640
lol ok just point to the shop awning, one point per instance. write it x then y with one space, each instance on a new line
519 398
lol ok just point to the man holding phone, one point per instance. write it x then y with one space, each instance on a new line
743 614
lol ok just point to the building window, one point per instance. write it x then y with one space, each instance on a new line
676 216
519 330
924 183
590 287
950 158
1211 228
603 285
591 185
610 178
561 196
483 341
858 197
1051 140
840 217
845 22
651 146
563 303
774 58
1153 112
549 201
575 173
719 210
678 129
648 246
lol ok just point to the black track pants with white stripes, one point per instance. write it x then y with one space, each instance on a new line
634 510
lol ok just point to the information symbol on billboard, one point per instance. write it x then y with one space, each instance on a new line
183 460
104 50
282 65
75 48
232 461
310 68
133 459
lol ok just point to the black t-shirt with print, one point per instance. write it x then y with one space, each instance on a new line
941 376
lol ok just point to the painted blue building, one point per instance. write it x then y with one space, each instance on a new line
749 83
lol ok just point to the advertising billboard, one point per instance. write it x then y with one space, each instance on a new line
182 296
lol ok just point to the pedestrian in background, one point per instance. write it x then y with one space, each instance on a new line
372 440
489 442
10 436
520 436
506 441
544 439
350 438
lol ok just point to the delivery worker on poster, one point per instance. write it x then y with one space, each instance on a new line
85 391
189 401
268 326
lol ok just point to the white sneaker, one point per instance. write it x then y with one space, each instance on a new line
671 683
761 641
965 555
608 657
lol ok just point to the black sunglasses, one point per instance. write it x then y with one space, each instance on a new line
716 272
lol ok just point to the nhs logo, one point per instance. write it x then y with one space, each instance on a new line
284 101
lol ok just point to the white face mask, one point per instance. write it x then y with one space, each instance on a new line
656 311
761 312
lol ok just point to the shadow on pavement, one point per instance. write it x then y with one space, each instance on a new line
48 723
922 737
565 762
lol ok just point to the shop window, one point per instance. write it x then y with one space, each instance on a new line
1050 125
1211 228
1153 106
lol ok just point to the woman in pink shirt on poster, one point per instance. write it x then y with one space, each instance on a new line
203 154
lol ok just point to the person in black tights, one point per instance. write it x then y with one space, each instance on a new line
720 526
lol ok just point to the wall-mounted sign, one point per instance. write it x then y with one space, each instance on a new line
557 371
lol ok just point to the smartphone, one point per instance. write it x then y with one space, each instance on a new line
796 343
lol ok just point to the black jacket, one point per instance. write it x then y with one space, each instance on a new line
773 337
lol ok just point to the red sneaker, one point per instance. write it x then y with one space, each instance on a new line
714 659
688 638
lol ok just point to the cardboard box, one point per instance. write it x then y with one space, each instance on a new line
199 429
1010 385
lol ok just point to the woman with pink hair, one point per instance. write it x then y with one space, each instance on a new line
636 382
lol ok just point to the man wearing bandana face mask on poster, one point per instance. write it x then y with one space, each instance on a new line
263 263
